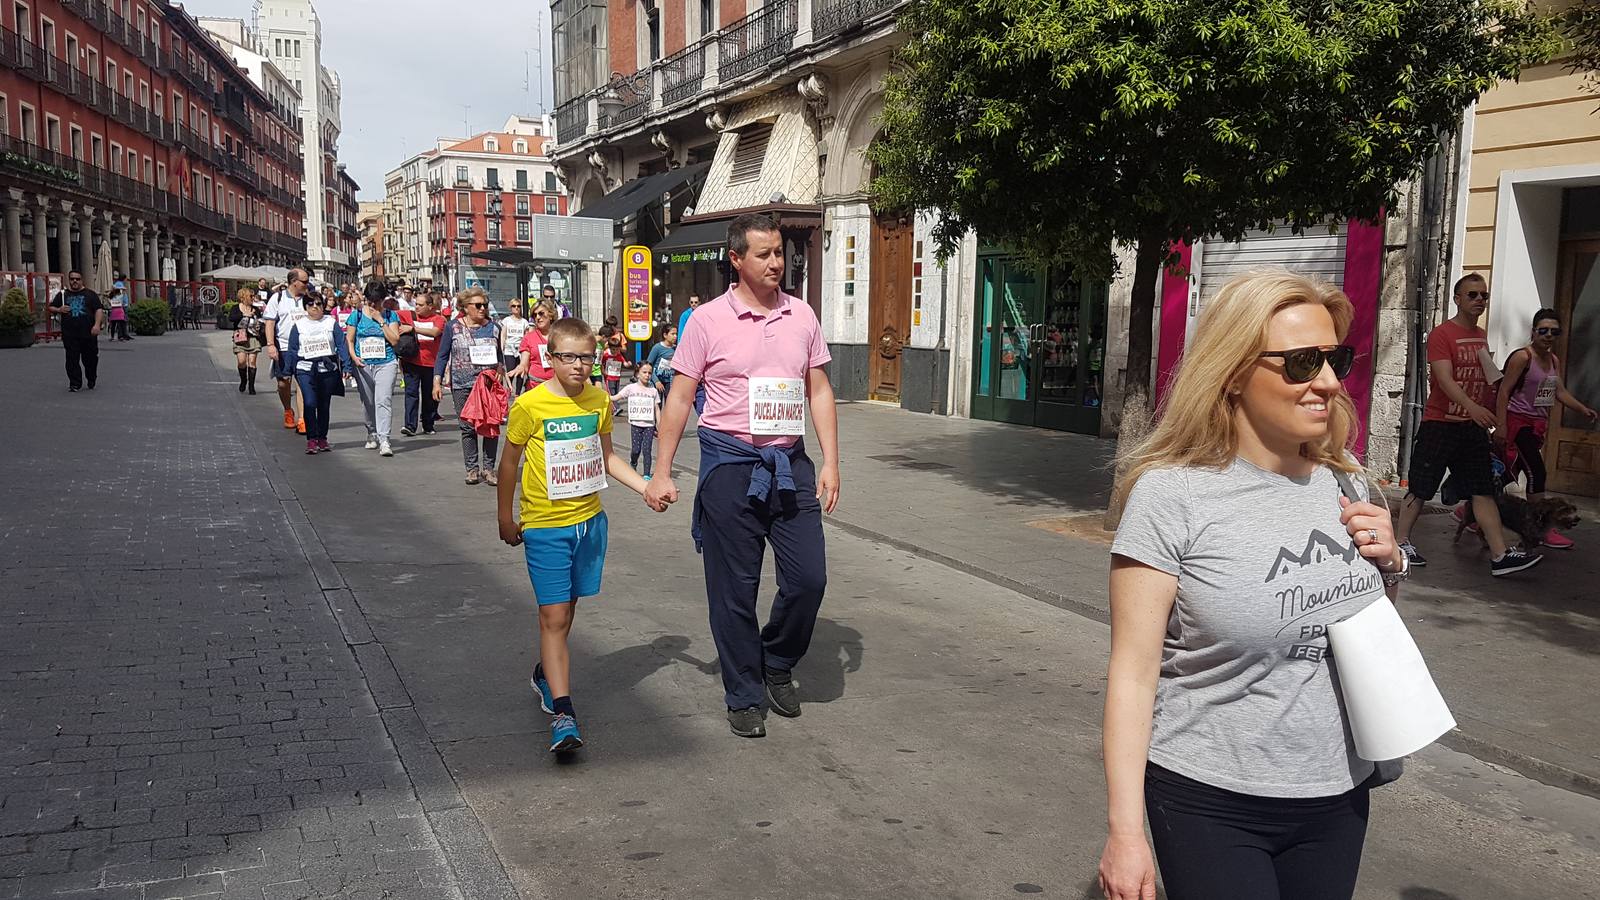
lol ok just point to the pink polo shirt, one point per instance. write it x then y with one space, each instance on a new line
731 343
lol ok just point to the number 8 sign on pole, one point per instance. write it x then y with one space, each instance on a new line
638 280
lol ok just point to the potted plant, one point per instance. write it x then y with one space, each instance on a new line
149 317
225 314
16 320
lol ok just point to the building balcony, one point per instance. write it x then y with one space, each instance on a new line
784 37
22 55
759 39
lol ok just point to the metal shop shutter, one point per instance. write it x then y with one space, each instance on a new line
1315 253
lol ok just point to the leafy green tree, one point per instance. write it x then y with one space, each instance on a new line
1063 128
1581 24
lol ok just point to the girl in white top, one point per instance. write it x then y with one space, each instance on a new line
318 357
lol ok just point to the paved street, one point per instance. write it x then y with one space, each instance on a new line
320 666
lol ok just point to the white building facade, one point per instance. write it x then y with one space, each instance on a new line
290 34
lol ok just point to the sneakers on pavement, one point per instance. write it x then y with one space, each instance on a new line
324 446
372 442
783 695
407 431
300 426
472 476
1515 560
1556 540
749 722
564 734
1416 559
311 447
542 687
491 477
288 419
384 449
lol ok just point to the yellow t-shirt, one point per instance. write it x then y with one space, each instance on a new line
564 467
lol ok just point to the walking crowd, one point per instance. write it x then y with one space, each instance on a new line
1227 728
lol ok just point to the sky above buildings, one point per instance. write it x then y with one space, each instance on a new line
416 70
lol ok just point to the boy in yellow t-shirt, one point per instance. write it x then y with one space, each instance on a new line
563 426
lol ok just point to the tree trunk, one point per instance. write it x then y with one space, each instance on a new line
1138 415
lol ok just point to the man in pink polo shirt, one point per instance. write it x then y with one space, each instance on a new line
760 356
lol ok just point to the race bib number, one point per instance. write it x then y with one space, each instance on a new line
483 353
574 464
372 347
544 355
641 410
613 368
777 406
514 332
1546 397
314 346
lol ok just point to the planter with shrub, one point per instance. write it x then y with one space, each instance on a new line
16 320
149 317
225 315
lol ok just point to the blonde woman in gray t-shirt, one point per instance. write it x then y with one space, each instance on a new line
1237 549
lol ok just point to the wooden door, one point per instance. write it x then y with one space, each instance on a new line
1572 451
889 303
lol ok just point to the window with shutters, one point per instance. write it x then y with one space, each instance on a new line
750 152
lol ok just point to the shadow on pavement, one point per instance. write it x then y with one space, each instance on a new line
836 650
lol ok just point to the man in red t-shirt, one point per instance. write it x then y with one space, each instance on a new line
428 325
1455 429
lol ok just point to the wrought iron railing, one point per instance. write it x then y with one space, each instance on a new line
572 119
832 16
682 73
759 39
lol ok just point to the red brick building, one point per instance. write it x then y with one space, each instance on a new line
122 121
510 166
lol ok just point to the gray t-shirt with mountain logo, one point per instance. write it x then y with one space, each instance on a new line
1247 699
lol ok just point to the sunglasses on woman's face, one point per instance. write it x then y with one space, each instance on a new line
1548 332
1304 364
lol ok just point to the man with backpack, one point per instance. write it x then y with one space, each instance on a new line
425 325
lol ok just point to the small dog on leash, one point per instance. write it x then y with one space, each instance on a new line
1530 519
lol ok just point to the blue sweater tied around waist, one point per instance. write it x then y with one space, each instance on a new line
773 468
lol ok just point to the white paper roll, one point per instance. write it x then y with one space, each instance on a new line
1394 707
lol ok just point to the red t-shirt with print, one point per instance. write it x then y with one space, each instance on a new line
1461 345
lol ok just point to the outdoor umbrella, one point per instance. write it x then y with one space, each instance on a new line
103 279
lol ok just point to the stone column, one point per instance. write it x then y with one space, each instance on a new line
155 244
182 251
64 239
41 242
86 244
122 244
13 246
140 257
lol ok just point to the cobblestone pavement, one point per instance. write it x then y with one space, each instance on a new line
182 711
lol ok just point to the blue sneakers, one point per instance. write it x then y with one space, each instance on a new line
564 733
539 684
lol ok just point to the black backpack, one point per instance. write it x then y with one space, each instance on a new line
408 347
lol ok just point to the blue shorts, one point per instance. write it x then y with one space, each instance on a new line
280 366
566 562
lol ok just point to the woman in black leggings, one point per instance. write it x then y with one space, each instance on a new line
1531 389
1246 533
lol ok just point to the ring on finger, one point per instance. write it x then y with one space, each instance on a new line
1372 535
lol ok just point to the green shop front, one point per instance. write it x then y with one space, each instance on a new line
1040 339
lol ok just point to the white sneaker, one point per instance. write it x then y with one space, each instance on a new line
383 449
371 444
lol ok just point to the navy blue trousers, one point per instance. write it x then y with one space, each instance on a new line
736 531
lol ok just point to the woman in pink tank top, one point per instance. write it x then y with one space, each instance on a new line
1528 393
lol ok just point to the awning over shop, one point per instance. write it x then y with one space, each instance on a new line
641 192
694 242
